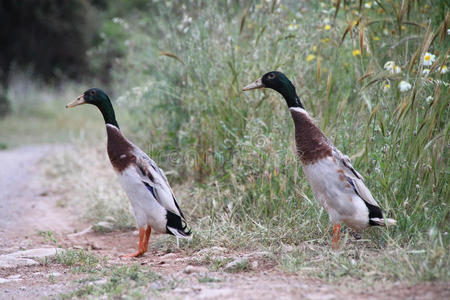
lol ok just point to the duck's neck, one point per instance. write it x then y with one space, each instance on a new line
107 111
287 90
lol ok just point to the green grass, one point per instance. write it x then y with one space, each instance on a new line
79 261
131 282
126 281
230 154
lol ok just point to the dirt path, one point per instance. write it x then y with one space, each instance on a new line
27 208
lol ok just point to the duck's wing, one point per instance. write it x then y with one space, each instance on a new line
156 182
354 178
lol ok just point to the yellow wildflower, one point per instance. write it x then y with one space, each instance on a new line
327 27
403 27
310 57
356 52
375 38
325 40
314 48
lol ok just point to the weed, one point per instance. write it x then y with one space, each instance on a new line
78 260
48 237
207 279
121 281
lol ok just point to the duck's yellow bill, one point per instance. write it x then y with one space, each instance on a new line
78 101
254 85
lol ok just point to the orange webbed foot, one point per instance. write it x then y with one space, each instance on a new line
142 245
336 231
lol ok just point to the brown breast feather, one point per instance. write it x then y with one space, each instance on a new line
312 144
120 150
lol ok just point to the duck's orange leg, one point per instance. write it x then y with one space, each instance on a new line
336 231
140 245
147 237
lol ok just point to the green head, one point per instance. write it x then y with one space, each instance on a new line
98 98
279 82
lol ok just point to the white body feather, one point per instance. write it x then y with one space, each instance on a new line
146 209
336 196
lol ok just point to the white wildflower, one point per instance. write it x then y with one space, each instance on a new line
392 67
292 27
428 59
389 65
404 86
425 71
121 22
396 70
443 69
429 99
368 4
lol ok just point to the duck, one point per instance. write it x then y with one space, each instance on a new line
153 203
335 183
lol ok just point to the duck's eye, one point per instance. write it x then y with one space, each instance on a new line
271 76
92 93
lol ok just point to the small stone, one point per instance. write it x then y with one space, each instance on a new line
101 281
213 250
25 258
103 226
237 264
255 264
95 246
82 232
169 256
195 269
55 274
110 219
258 254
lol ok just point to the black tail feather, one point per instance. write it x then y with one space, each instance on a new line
374 212
177 223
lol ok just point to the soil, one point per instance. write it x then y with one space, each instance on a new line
27 209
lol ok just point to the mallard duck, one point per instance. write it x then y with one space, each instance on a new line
152 199
338 187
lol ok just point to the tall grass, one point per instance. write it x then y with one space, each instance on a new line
181 79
